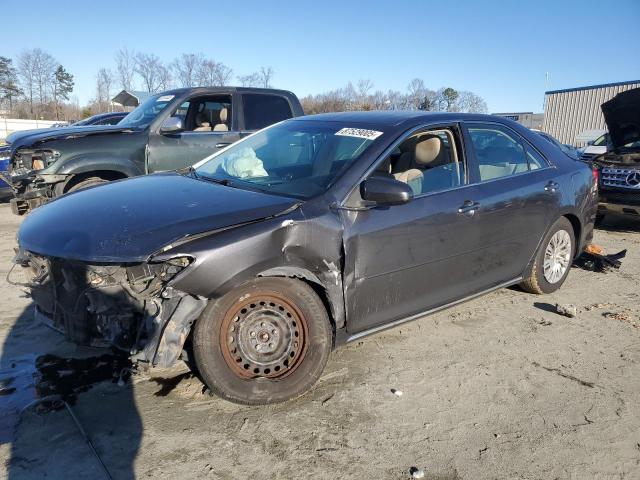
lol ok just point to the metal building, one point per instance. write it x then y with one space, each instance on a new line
570 112
528 119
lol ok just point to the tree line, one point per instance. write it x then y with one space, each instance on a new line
417 96
38 86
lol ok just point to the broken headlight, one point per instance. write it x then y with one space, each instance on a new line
37 159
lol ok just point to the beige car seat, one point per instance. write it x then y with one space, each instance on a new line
426 153
222 126
202 123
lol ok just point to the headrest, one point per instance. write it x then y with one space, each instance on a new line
427 149
223 115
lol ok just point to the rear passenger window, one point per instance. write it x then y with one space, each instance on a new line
499 152
261 110
535 159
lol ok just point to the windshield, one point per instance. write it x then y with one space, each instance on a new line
601 141
294 158
145 113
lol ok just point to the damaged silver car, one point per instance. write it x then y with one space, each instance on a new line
309 234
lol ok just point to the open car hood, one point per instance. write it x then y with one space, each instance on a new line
622 114
129 220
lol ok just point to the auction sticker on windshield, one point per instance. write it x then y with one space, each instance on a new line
165 98
359 133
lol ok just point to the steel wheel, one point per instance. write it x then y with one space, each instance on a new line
263 336
557 256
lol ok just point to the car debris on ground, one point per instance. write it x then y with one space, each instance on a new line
569 310
594 259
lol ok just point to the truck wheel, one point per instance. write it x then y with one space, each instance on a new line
86 183
264 342
553 259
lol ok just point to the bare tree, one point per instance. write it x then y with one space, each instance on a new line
155 76
104 82
265 74
36 69
44 73
471 103
126 67
364 87
26 73
223 75
252 80
186 69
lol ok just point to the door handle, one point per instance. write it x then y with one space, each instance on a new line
551 187
469 208
222 144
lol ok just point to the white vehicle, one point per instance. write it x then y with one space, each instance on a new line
594 148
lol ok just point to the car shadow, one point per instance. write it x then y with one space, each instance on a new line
613 222
67 411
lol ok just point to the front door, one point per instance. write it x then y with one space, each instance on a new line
209 125
405 259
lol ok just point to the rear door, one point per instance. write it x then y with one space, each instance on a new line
204 132
519 198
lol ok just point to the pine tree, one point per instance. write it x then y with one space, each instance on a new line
62 87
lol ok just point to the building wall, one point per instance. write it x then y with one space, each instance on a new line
570 112
528 119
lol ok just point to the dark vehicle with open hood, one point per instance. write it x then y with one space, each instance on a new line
619 167
168 131
306 235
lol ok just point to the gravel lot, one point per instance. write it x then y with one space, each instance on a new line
499 387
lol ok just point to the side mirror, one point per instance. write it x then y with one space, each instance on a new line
171 125
385 191
590 142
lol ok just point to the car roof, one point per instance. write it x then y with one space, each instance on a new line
180 91
391 118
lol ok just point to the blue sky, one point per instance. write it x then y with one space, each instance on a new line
498 49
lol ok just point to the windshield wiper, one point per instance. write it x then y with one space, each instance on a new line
221 181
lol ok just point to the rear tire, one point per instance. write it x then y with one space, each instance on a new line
553 259
86 183
264 342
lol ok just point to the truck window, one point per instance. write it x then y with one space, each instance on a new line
263 110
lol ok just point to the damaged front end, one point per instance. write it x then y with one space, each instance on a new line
131 307
30 188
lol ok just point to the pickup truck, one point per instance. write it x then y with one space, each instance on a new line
168 131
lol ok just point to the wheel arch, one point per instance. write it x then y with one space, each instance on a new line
312 281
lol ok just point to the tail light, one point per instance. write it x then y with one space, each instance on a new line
595 174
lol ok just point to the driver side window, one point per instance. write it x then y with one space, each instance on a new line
206 114
428 162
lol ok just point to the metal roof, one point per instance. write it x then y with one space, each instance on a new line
591 87
131 98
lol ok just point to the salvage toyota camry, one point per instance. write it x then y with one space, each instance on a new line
306 235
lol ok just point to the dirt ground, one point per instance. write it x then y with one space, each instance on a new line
499 387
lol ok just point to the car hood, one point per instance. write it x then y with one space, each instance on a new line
33 137
12 137
622 114
129 220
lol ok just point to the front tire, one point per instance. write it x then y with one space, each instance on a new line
553 259
264 342
86 183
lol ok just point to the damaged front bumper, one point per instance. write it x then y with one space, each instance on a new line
31 190
130 307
